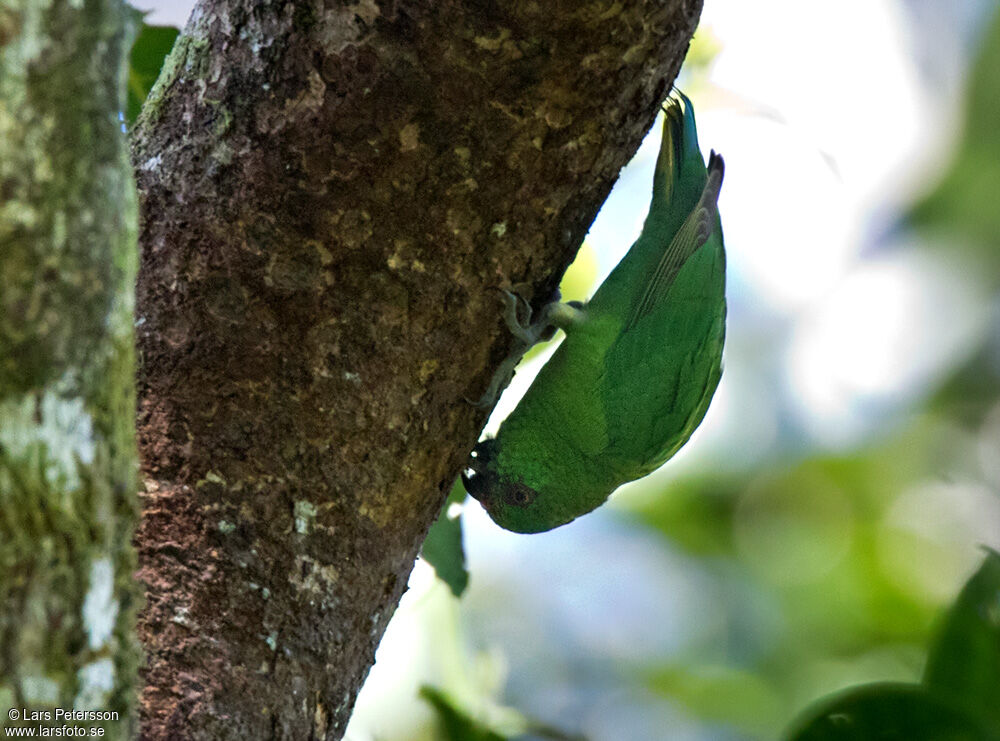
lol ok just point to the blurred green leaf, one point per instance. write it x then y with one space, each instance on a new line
443 547
890 711
148 53
723 694
965 200
964 661
826 574
456 725
578 281
694 514
969 394
704 48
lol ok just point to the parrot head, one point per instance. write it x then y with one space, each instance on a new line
513 501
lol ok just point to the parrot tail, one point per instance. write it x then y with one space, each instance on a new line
678 148
716 170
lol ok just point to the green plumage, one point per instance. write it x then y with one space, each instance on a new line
638 367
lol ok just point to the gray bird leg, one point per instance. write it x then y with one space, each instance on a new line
554 315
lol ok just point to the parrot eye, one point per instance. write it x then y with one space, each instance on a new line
520 495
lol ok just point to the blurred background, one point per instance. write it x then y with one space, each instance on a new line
839 491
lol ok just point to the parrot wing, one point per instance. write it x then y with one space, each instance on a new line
694 232
661 374
662 370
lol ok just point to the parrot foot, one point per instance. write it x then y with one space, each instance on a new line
554 315
501 377
517 315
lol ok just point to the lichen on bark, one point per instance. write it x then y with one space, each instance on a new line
67 450
331 196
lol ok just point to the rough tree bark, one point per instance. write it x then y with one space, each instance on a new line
331 195
67 449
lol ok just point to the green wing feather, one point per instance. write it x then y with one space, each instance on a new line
662 370
694 232
661 376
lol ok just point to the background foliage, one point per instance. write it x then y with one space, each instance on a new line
815 531
796 562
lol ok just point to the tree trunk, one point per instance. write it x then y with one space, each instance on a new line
331 196
67 449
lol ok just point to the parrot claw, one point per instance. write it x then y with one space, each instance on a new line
514 308
517 315
501 378
554 315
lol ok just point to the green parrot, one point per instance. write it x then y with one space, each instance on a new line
637 369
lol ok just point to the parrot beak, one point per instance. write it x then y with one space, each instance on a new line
475 484
476 475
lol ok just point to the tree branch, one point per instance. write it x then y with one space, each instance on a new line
330 196
67 448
